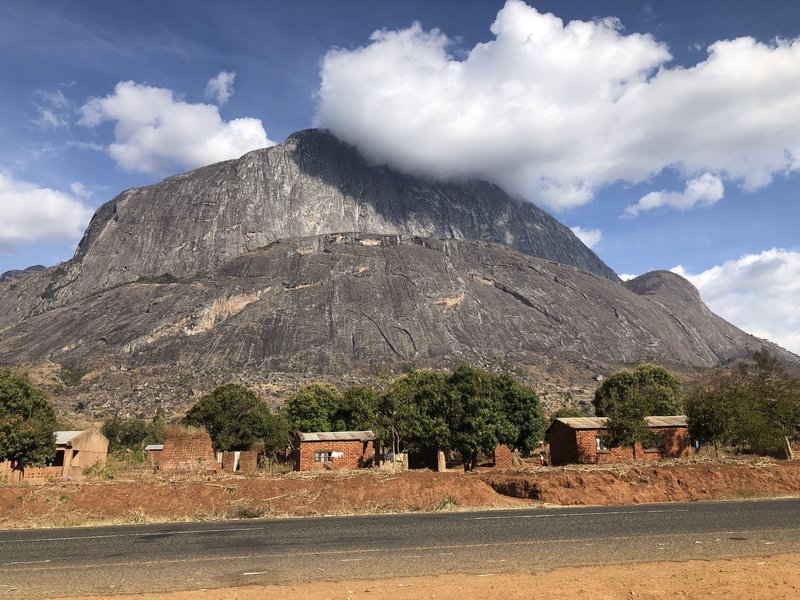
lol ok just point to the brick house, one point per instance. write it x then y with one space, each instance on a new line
187 450
334 450
581 440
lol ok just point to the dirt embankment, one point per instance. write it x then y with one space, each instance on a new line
628 484
151 498
220 497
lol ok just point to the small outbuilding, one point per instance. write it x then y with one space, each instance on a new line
75 451
582 440
334 450
187 450
78 450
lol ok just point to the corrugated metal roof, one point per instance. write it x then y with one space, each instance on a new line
337 436
584 422
600 422
63 437
668 421
150 447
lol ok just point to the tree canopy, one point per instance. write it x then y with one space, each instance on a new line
314 408
627 397
134 434
757 405
27 421
469 410
236 418
652 386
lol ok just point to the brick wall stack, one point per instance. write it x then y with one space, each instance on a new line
357 455
248 461
502 457
188 451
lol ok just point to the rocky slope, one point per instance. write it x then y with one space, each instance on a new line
303 259
331 304
312 184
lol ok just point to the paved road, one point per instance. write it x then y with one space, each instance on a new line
59 562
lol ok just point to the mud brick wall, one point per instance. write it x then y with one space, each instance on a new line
248 461
32 474
563 444
502 457
188 452
357 455
676 441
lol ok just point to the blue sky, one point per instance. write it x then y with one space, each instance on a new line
667 132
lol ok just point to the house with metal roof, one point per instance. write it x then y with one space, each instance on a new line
78 450
75 451
582 440
334 450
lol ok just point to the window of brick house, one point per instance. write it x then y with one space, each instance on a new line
600 443
324 456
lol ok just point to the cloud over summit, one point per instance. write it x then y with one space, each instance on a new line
154 131
554 111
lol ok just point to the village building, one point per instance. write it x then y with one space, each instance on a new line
582 440
334 450
187 451
75 452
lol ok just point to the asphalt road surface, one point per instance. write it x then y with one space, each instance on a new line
152 558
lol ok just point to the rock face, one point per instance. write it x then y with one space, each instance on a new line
312 184
334 303
303 258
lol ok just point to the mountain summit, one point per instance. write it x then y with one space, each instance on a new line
304 257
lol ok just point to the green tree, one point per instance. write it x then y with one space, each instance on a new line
566 412
627 397
469 410
157 428
313 408
236 419
711 408
652 384
27 421
758 405
357 410
520 405
125 434
416 411
478 421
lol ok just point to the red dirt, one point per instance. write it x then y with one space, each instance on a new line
629 484
223 496
150 497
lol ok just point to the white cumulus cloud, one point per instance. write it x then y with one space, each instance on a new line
705 190
553 111
32 213
590 237
154 132
220 88
759 293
